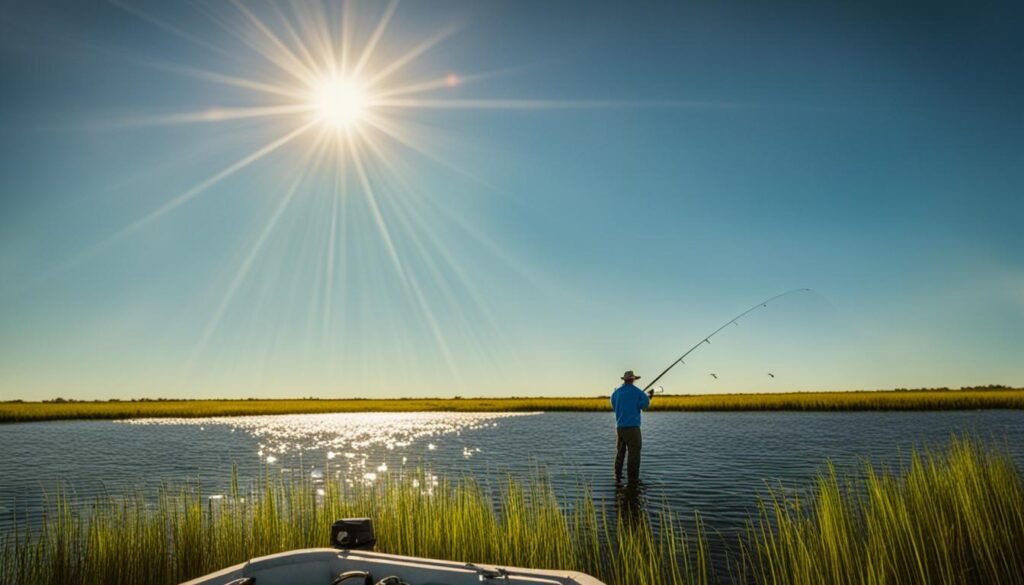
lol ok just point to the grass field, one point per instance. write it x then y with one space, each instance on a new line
955 516
964 399
185 535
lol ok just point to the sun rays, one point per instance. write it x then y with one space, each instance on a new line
330 97
352 240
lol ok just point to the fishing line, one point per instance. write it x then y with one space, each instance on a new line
732 321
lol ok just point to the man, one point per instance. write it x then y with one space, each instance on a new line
627 402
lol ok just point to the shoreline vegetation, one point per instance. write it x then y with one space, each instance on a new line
952 515
973 398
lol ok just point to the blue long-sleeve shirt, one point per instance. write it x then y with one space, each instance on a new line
627 402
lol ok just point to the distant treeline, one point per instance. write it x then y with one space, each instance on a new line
986 397
986 387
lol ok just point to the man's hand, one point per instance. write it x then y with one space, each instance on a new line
650 393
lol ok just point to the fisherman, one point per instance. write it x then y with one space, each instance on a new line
627 402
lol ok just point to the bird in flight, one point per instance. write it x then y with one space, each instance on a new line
771 374
715 376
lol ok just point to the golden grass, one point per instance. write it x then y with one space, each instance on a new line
967 399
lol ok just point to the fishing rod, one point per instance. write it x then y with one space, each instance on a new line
732 321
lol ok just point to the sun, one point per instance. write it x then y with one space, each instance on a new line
338 102
359 110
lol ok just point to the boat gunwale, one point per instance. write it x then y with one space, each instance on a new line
243 569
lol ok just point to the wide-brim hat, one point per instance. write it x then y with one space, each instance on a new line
629 375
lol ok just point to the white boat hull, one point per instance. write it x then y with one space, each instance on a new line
320 566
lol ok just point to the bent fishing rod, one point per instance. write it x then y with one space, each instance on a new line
732 321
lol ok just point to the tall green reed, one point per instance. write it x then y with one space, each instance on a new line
951 516
184 534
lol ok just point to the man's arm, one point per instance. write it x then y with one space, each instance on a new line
645 400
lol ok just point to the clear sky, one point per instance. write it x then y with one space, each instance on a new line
507 198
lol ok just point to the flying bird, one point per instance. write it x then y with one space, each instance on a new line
771 374
715 376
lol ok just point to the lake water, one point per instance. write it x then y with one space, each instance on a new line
714 463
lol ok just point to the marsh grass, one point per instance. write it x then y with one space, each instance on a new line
965 399
185 534
954 515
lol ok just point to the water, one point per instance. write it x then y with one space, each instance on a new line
714 463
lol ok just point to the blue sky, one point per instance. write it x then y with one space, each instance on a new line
600 187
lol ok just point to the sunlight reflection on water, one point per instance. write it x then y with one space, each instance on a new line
355 436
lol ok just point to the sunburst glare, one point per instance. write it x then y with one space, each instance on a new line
339 102
331 99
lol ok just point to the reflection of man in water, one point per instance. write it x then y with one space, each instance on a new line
631 506
627 402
